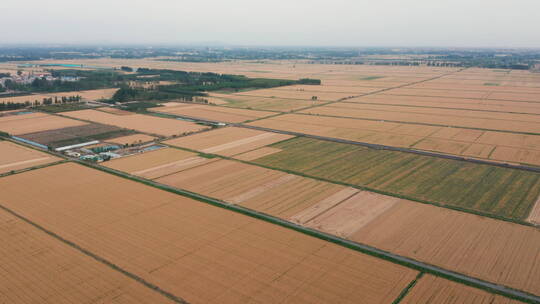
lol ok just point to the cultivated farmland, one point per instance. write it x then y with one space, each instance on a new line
16 157
444 236
228 141
500 191
142 123
213 113
35 122
261 103
157 163
488 249
198 252
430 289
131 139
37 268
74 135
448 140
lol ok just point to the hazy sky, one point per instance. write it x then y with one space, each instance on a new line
458 23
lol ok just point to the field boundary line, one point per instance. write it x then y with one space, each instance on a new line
363 248
99 259
408 288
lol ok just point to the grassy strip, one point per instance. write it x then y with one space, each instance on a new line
406 290
407 262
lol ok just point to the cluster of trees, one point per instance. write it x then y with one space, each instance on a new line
193 84
16 105
62 100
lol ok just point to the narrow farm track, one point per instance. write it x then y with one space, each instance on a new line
423 267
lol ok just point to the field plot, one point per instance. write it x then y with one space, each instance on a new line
131 139
35 122
380 132
257 188
199 252
214 113
492 250
450 103
36 268
458 141
157 163
228 141
430 289
142 123
74 135
352 91
439 93
16 157
299 94
440 117
500 191
261 103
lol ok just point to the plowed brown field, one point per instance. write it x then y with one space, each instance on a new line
139 122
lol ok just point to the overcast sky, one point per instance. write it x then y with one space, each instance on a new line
459 23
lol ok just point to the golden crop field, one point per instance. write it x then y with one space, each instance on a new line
228 141
259 103
142 123
195 251
430 289
525 148
35 122
37 268
17 157
444 236
489 249
209 112
525 123
157 163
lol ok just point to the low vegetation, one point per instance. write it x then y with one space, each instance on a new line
499 191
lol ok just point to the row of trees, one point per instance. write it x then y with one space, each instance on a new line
46 101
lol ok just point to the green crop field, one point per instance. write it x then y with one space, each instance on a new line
499 191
